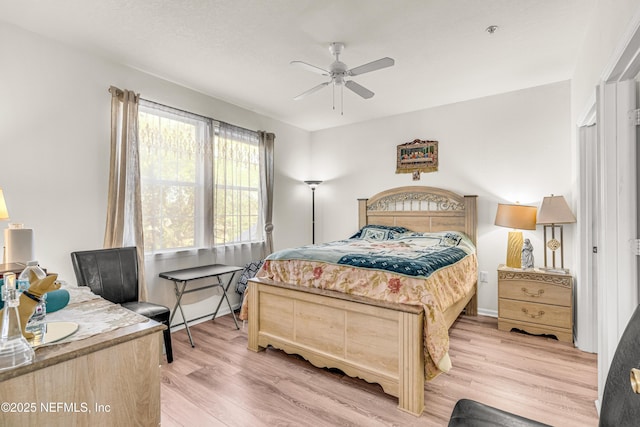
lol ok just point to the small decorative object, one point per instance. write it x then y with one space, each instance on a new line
30 298
554 212
527 254
14 348
417 156
517 217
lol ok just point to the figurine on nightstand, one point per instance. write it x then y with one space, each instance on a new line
527 254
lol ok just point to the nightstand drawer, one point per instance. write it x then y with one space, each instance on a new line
537 292
543 314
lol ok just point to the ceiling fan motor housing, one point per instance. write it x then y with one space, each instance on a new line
338 72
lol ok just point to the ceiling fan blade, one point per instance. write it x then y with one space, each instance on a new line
371 66
310 91
360 90
310 67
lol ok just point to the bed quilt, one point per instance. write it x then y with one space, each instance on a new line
434 270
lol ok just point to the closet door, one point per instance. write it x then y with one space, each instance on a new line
588 205
617 265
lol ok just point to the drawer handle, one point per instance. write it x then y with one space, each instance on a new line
533 316
529 294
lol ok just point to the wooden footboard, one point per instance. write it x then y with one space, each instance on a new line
378 342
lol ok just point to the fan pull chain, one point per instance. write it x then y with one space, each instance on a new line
333 95
342 100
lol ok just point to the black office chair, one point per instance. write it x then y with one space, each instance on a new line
620 401
113 274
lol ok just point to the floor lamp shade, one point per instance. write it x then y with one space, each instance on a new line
516 217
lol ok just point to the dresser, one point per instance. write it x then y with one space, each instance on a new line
107 379
536 301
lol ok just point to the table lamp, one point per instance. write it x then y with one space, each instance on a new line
4 215
554 212
517 217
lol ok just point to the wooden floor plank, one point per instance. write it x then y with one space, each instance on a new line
220 382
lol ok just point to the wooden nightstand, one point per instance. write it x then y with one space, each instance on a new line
536 301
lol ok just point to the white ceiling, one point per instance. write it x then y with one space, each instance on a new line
239 50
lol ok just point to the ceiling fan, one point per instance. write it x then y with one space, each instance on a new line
338 74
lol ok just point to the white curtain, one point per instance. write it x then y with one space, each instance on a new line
266 181
124 211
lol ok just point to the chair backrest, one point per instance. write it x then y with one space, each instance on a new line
620 404
110 273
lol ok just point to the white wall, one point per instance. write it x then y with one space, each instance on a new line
610 21
54 142
504 148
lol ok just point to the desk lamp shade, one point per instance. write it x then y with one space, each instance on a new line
516 217
4 214
554 212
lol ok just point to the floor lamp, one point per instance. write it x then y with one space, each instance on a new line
313 185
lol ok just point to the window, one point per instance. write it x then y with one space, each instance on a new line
237 204
200 181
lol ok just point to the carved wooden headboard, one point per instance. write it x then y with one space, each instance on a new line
422 209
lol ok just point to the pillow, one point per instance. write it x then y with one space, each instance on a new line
250 270
379 232
451 239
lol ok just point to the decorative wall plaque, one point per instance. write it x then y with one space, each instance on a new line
417 156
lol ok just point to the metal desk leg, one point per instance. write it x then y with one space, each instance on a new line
224 296
179 293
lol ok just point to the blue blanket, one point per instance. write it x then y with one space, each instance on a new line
407 253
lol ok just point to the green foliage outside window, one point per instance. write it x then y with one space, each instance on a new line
183 177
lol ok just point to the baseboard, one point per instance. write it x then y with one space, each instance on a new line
193 322
485 312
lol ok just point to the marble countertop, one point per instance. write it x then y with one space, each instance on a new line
101 324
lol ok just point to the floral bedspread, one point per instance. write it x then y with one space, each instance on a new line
434 270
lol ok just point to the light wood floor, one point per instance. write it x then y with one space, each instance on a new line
221 383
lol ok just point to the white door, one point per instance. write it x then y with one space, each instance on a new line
586 296
617 218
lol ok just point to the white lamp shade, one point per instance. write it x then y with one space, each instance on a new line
555 210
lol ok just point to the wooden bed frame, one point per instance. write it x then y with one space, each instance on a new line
377 341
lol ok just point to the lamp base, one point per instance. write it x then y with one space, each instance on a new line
514 249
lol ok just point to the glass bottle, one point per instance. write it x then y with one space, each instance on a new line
14 348
23 284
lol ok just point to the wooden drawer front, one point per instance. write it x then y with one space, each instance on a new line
551 315
538 292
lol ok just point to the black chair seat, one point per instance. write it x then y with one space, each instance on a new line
469 413
157 312
113 274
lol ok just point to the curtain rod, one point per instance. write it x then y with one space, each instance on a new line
119 91
194 114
